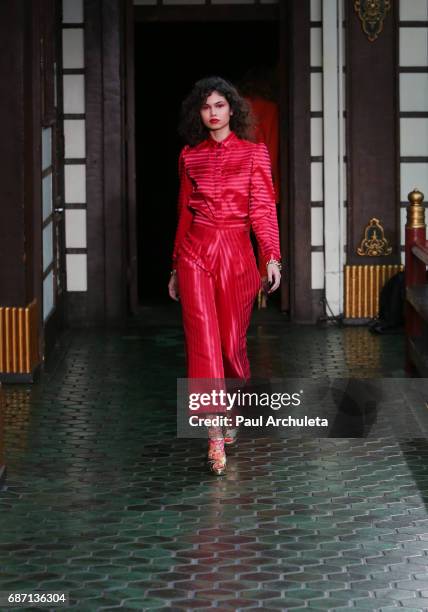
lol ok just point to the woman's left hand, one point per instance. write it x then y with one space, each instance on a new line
274 277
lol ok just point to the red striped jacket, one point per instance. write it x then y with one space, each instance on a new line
226 181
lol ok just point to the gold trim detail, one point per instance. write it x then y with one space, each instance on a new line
19 352
362 289
372 14
415 210
374 243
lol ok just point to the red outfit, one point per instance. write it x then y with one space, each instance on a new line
267 131
224 188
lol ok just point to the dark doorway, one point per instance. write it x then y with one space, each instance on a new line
169 58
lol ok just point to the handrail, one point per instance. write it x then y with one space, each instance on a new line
416 306
421 252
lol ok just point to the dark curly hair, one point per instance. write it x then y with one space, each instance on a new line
191 127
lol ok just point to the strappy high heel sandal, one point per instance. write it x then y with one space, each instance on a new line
230 435
216 456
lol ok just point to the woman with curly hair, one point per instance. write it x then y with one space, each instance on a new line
225 189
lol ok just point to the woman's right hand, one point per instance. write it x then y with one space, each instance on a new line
173 287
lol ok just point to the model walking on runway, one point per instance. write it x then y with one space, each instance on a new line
225 189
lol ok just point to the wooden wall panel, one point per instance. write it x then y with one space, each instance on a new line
94 299
301 309
106 298
115 232
13 290
372 134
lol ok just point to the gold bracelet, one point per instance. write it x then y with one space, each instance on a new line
276 262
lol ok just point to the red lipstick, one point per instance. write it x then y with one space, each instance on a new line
214 120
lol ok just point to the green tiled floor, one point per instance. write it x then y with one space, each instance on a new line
103 501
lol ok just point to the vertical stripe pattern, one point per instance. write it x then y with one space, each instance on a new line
225 189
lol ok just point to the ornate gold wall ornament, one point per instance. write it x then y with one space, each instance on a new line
374 243
372 14
416 210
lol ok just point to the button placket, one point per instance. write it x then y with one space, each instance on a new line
217 173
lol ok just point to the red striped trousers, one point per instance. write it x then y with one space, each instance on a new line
218 281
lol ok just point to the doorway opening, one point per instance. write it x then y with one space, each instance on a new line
169 58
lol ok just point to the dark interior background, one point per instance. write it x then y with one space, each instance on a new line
169 58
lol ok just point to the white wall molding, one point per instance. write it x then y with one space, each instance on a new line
73 57
332 19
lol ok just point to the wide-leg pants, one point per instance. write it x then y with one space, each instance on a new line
218 281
